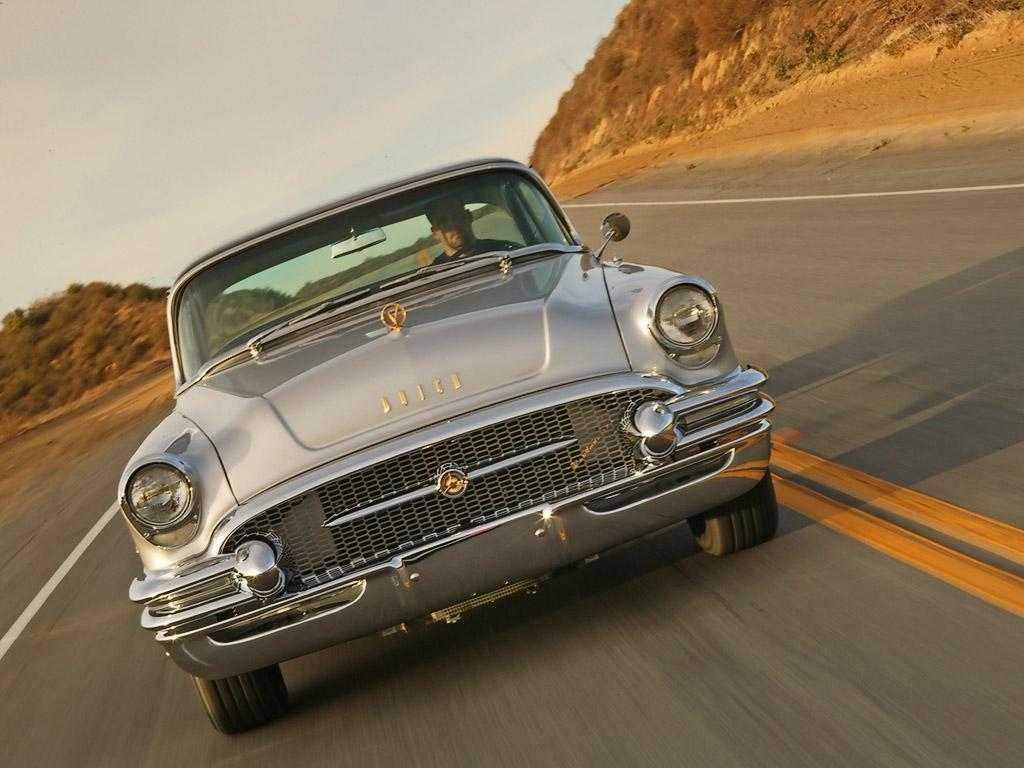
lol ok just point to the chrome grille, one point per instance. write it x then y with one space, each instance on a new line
313 554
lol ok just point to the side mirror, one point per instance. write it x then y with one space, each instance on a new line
614 227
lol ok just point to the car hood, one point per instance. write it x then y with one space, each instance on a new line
474 342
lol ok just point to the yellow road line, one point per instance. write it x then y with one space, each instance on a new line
980 579
983 532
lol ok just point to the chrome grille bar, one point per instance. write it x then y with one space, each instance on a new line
426 490
522 458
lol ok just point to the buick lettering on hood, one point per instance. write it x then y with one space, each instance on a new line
415 402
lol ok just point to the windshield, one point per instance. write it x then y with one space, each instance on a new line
357 250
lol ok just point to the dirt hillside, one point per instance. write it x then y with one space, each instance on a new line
72 347
679 78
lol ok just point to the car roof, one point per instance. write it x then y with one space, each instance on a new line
447 170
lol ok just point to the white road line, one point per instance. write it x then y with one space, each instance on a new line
37 602
798 198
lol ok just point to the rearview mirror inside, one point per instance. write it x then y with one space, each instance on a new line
358 242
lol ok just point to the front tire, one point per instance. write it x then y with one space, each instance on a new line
242 702
746 521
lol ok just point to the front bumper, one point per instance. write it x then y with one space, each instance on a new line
212 626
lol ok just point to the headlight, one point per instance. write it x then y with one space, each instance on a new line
159 495
685 317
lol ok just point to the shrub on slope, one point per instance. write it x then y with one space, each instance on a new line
64 345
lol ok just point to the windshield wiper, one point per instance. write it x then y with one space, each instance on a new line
256 343
431 269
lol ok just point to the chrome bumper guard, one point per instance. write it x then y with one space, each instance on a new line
721 430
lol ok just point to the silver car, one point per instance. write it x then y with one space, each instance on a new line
413 403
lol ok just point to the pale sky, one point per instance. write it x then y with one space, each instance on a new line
136 136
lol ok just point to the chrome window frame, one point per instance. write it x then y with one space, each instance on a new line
372 196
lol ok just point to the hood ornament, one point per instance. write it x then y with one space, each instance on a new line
393 316
452 481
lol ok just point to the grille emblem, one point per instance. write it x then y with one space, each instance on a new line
393 316
451 481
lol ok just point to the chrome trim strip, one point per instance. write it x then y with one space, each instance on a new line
161 583
197 613
171 631
758 414
194 595
327 604
428 490
745 381
730 457
709 414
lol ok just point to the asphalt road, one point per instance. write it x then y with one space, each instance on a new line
892 327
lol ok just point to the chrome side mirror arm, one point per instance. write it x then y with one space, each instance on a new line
614 227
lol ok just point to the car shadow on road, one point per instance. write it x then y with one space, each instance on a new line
607 588
941 367
371 661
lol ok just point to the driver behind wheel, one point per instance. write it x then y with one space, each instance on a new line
452 226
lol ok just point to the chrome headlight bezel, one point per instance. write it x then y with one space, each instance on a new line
158 532
710 337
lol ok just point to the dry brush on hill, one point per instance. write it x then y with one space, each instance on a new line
672 67
63 346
